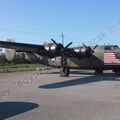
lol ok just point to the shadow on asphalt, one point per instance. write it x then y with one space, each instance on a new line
81 81
10 109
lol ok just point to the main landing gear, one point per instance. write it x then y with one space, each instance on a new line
117 71
98 71
64 71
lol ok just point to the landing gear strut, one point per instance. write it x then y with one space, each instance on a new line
99 71
117 71
64 71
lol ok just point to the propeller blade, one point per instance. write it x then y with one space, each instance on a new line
95 47
68 45
85 46
54 42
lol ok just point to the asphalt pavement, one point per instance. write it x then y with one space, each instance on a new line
43 95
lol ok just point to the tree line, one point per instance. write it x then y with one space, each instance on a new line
19 59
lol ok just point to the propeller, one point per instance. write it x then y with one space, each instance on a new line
89 50
61 46
62 50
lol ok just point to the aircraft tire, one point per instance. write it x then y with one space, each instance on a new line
99 71
117 72
64 71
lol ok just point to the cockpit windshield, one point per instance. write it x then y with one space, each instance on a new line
111 47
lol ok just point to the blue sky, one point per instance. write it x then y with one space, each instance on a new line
35 21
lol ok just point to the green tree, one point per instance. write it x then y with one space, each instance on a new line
3 60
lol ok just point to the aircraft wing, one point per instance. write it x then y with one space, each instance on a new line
22 47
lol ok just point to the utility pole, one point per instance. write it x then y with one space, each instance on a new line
62 36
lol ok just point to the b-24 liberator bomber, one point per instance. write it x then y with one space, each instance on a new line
98 58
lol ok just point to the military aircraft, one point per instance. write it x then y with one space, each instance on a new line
98 58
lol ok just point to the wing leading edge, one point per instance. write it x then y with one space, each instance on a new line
22 47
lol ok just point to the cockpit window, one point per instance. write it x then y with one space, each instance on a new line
116 47
107 48
113 47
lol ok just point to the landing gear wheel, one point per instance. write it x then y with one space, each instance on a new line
99 71
64 71
117 71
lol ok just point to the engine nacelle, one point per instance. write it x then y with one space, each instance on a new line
83 52
50 47
10 53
